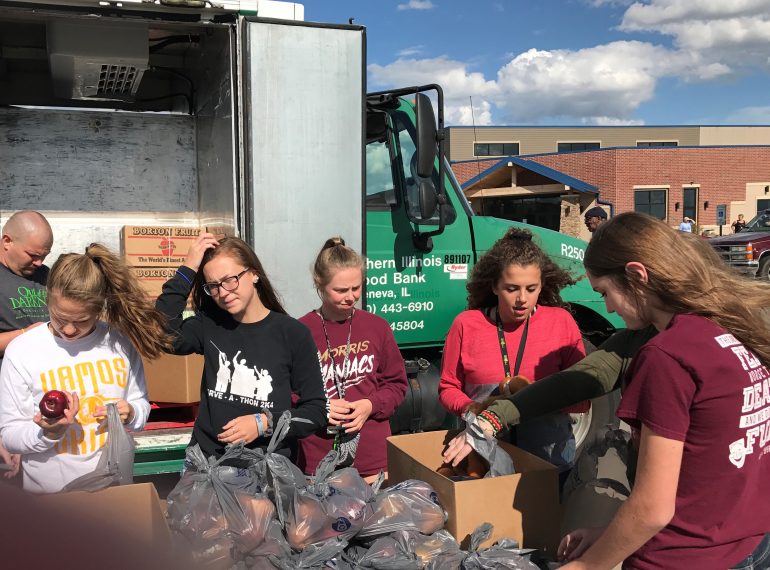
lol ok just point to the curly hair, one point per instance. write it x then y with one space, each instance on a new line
515 248
684 273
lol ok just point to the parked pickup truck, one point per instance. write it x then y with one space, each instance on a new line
748 251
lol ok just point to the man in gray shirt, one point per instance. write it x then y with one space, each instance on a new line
26 241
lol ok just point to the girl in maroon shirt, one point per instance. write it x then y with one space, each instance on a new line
697 398
362 368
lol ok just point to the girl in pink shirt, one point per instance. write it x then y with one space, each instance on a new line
515 325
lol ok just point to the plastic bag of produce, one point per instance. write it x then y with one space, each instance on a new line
116 463
282 476
500 463
331 507
205 510
393 552
259 511
274 552
410 505
503 555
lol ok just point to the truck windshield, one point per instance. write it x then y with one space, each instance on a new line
760 223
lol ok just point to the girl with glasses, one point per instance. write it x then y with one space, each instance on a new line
255 355
100 323
363 371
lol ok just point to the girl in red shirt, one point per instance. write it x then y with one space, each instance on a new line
515 325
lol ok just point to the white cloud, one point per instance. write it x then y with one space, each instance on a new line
410 51
603 84
417 5
748 116
454 77
603 3
612 122
732 33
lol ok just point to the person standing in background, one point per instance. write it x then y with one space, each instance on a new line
738 224
362 368
594 217
686 225
26 241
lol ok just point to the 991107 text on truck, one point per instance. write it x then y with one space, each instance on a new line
140 113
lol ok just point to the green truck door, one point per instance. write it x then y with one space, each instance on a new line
418 292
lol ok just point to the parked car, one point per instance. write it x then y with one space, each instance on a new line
748 251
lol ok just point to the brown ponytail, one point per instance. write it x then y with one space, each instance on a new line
100 280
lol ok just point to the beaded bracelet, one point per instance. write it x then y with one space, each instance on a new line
492 419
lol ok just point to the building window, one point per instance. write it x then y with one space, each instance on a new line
652 202
495 149
543 211
690 203
647 144
573 146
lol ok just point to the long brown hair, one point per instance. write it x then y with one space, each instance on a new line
239 250
105 284
335 255
515 248
684 272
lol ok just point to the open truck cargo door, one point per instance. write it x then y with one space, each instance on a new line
302 100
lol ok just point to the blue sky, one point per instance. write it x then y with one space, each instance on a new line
572 62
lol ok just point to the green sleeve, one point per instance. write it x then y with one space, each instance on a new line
597 374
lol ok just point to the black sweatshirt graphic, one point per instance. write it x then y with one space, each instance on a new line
248 367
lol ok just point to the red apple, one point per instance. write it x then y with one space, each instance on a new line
53 404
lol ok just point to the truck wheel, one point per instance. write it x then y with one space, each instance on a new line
596 421
598 418
764 268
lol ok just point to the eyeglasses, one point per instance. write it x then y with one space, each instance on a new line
228 284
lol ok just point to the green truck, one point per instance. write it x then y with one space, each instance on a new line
243 116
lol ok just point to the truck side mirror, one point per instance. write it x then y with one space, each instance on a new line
428 199
426 136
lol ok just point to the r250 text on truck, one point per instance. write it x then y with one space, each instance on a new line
136 113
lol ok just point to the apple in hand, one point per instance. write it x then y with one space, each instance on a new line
53 404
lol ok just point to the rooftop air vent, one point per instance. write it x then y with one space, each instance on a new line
97 60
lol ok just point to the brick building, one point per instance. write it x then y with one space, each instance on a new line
667 182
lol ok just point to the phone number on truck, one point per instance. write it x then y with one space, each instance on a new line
412 307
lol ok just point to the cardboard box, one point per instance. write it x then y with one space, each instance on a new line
523 506
174 379
151 280
221 231
157 246
133 511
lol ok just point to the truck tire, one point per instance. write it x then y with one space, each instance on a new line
596 421
421 409
598 418
764 268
